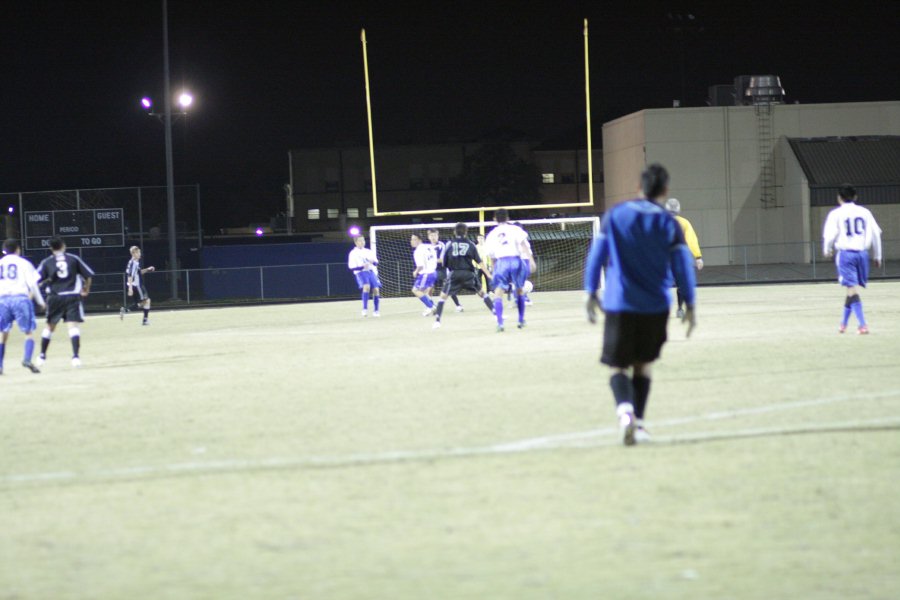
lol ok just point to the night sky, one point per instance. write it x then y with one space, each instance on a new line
269 76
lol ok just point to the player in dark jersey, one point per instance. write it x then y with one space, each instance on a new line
134 284
463 262
435 239
67 279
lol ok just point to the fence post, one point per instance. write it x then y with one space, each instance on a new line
746 268
327 280
262 290
187 283
124 290
812 244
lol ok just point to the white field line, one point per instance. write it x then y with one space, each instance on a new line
588 438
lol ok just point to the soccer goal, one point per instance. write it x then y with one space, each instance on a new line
560 247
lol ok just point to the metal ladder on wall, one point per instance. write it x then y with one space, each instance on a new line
764 115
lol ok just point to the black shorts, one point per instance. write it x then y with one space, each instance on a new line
630 338
66 308
440 278
139 294
461 280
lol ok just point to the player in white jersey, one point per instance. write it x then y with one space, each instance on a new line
425 273
508 246
850 230
364 265
134 283
18 292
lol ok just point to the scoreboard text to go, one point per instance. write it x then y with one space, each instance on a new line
88 228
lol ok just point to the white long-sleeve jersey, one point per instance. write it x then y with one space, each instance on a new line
507 240
851 227
18 277
362 259
425 258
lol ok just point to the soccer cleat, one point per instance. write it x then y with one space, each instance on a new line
863 330
500 329
30 366
627 428
437 325
376 314
679 313
842 328
641 435
145 322
427 312
76 362
459 309
122 313
521 325
528 302
365 313
41 359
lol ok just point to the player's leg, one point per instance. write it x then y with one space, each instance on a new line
485 297
680 312
640 384
376 299
54 315
862 278
73 318
24 312
619 346
146 308
442 299
4 335
365 298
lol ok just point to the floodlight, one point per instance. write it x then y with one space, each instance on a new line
185 100
259 232
354 231
147 103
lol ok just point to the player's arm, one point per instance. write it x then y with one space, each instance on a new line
86 286
681 262
829 234
693 243
875 232
148 270
596 260
34 289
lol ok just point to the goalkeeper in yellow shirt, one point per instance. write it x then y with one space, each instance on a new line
690 237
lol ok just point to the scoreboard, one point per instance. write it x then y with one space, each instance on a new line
86 228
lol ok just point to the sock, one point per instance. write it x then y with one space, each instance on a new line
45 341
426 301
377 301
455 300
498 310
520 304
622 389
29 350
857 309
680 298
146 313
440 308
365 300
75 336
489 303
2 352
641 387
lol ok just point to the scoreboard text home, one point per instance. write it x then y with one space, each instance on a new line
88 228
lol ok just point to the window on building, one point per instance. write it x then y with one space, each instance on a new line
548 178
353 213
370 212
331 186
333 213
568 178
312 214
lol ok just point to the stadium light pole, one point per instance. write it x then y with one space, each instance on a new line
170 171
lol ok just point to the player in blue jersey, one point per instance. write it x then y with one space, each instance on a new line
508 246
639 243
849 232
425 273
18 292
364 265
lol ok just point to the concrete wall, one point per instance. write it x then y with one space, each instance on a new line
712 154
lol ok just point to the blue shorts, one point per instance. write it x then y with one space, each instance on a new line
424 281
19 310
852 267
367 278
510 270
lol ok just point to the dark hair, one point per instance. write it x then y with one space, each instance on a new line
460 229
434 230
654 181
10 246
847 192
416 235
501 216
56 244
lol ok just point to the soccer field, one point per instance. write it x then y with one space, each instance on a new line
300 451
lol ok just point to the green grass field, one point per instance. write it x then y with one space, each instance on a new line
299 451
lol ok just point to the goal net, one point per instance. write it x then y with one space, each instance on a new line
560 247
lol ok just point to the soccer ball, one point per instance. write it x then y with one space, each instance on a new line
528 287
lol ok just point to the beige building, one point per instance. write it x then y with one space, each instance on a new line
333 185
738 176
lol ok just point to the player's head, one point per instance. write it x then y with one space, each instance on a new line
655 182
673 206
11 246
846 193
360 241
433 236
135 252
461 229
415 240
480 238
57 245
501 216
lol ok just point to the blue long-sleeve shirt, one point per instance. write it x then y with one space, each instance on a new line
640 244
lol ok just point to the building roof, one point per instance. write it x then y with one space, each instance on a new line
860 161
